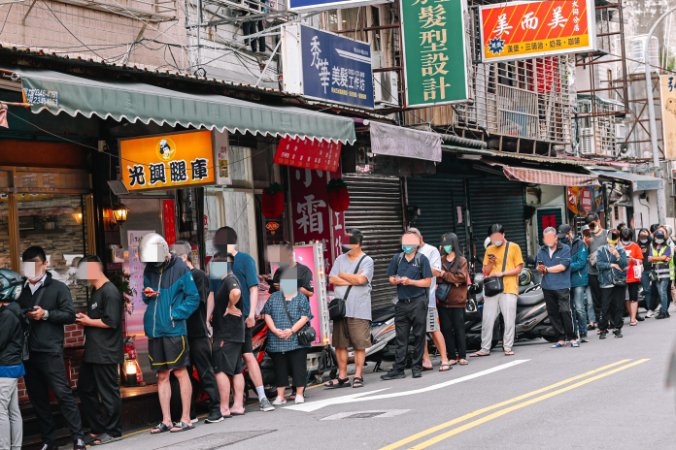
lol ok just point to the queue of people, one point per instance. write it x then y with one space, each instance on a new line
195 319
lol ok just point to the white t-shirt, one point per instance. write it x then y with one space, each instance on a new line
434 257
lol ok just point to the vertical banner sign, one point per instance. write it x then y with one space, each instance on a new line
221 146
668 93
435 51
305 255
519 30
332 68
134 323
169 219
312 218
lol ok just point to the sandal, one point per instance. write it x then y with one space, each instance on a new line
463 362
445 368
479 354
161 428
358 382
180 427
427 368
509 352
105 438
633 324
337 383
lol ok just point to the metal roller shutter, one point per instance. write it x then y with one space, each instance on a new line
496 200
375 209
438 198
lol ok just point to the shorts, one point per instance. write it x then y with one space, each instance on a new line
633 291
433 320
168 353
227 357
351 332
247 346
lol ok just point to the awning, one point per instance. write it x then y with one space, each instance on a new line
392 140
638 182
57 93
548 177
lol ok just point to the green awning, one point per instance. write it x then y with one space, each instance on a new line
58 93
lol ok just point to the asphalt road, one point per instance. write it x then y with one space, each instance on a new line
605 395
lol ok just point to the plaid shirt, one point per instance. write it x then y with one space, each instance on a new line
298 306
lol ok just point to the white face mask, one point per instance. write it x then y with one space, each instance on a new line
498 243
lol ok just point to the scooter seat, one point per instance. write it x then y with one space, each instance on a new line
531 298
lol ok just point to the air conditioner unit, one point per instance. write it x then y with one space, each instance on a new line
587 142
386 88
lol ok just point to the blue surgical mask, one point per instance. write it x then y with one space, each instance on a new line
448 249
408 249
288 286
218 270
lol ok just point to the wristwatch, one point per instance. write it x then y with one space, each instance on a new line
46 316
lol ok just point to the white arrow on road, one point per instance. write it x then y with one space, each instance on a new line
362 397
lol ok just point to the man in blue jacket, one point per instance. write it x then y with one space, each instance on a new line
172 296
554 265
579 277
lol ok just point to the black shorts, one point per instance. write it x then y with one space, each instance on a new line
227 357
633 291
168 353
247 347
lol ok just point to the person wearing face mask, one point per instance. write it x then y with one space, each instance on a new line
351 276
172 297
634 273
554 266
198 336
286 312
612 264
224 312
598 238
410 271
644 241
288 261
50 307
660 256
503 260
579 278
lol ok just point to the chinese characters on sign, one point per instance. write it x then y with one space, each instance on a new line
312 218
520 30
434 51
668 93
169 218
174 160
308 154
41 97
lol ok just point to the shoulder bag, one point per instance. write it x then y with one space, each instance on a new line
307 334
496 285
443 289
338 306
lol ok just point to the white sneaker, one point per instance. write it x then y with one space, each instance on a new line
279 401
299 399
650 314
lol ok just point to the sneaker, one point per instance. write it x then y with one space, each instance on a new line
266 406
393 375
661 316
417 373
194 420
214 417
279 401
650 314
583 340
639 318
574 344
299 399
618 334
602 334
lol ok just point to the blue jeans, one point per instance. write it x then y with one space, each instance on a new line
591 313
647 290
662 288
579 300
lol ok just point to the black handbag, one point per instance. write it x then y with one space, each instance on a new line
496 285
307 334
338 306
443 289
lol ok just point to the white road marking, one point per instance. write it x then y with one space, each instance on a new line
381 414
362 397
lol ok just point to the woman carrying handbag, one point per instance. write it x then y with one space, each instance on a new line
612 264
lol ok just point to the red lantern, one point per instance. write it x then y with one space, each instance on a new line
272 204
339 197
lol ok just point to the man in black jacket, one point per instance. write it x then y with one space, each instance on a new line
49 307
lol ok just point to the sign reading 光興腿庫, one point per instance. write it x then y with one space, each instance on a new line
332 68
668 93
172 160
435 51
519 30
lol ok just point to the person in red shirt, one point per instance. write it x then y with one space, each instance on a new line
634 272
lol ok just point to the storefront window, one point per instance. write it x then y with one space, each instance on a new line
5 259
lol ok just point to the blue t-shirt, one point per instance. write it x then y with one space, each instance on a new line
244 269
417 269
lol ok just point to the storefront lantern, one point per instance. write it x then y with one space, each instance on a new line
120 213
272 203
339 196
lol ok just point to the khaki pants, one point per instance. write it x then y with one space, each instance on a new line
11 424
504 304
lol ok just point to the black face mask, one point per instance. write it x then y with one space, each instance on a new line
345 248
564 240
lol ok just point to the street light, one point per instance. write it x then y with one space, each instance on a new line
661 198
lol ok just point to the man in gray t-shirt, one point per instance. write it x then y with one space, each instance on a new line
351 277
598 238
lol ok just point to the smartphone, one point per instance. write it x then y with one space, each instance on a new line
541 263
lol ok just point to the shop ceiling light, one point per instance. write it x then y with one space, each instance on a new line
120 213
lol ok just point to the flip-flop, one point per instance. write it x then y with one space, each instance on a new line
180 427
509 353
161 428
428 368
463 362
445 368
479 354
237 414
105 438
